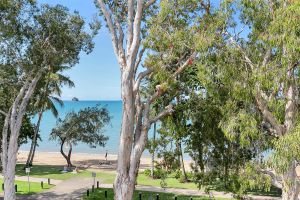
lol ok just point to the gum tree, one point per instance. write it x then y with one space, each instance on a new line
45 36
261 72
169 32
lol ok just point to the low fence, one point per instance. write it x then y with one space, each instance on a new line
140 195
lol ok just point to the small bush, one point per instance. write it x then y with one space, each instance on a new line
147 172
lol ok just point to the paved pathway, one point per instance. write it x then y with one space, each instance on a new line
37 180
72 189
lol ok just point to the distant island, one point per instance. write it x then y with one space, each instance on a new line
75 99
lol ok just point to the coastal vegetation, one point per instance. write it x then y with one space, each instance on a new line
218 82
35 40
83 126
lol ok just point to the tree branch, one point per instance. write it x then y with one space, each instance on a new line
272 174
149 3
268 115
111 27
3 113
138 61
140 77
159 89
136 33
130 24
167 111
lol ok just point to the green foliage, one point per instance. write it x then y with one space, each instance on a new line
286 151
84 126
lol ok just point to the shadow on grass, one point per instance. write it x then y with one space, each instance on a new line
40 170
274 192
99 194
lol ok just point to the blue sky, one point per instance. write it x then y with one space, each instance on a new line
97 76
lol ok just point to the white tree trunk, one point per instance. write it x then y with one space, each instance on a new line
153 153
9 176
291 184
34 140
124 184
10 147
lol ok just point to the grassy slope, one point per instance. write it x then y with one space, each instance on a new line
53 172
48 171
34 187
99 195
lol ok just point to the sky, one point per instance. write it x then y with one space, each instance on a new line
97 75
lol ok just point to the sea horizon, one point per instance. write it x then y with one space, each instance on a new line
48 122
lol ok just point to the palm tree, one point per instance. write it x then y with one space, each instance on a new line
46 98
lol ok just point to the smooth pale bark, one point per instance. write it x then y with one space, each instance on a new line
136 119
291 184
13 122
182 163
34 141
153 153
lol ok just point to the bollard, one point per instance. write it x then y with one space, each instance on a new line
93 188
105 194
16 188
42 184
140 196
157 196
87 192
97 184
49 181
175 197
3 186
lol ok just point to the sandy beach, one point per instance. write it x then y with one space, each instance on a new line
84 160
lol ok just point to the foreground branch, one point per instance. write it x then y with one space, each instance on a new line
274 177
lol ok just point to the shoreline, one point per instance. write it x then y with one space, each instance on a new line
85 160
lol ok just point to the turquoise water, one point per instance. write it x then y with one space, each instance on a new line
112 130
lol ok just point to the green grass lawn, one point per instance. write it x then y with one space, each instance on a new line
107 177
54 172
24 189
100 194
48 171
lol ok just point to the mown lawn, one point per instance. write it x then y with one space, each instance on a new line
99 194
24 189
48 171
54 172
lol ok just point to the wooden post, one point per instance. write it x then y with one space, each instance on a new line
140 196
175 197
49 181
93 188
97 184
157 196
42 184
2 186
16 188
105 194
87 192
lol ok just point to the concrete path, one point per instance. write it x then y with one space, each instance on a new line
74 188
190 192
36 180
70 189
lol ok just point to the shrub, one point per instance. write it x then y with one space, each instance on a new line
147 172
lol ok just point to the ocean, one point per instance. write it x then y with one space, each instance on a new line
49 121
